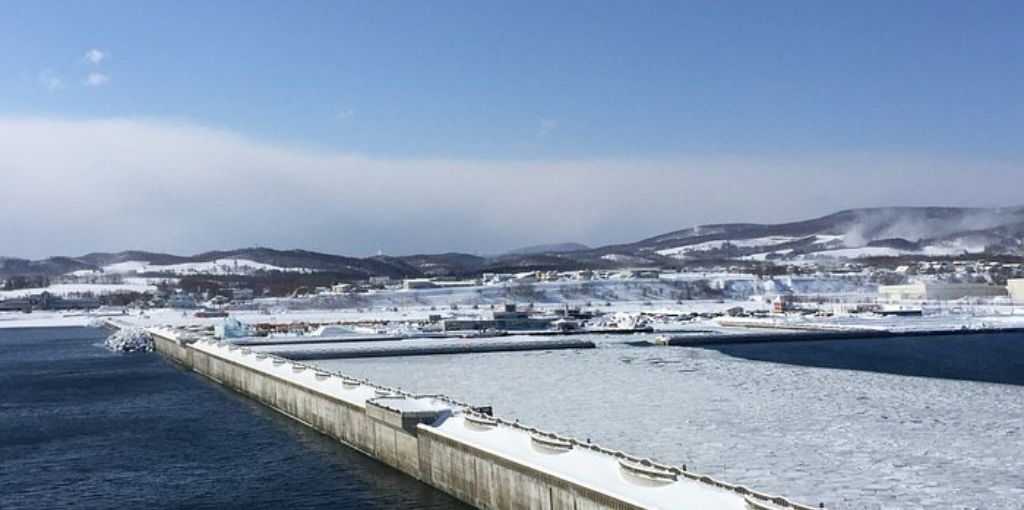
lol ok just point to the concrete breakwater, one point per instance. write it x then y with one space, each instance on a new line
460 449
420 347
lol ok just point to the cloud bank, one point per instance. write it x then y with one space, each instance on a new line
74 186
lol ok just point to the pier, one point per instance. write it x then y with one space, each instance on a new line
485 461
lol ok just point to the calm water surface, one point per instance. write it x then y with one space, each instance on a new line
84 428
996 358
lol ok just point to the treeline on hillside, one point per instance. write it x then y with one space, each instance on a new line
26 282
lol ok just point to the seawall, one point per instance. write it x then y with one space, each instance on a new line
487 462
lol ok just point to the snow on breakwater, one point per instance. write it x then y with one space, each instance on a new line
528 465
129 340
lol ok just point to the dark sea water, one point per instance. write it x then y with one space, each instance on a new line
997 357
81 427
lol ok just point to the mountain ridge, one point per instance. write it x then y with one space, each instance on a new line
881 231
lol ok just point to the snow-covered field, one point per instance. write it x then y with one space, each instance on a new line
851 439
95 289
761 243
819 246
219 266
717 245
881 251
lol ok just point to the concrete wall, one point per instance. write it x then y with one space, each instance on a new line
172 349
477 477
490 481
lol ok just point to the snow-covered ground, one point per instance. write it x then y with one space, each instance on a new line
682 251
758 243
820 246
218 267
95 289
852 439
882 251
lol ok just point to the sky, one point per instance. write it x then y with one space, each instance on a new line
412 127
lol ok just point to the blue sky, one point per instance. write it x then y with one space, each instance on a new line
492 79
543 82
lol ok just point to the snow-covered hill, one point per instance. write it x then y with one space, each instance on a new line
212 267
850 234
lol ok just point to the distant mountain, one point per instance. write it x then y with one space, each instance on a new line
548 248
889 231
849 234
253 259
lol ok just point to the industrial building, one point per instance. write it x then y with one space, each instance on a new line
419 283
507 319
934 290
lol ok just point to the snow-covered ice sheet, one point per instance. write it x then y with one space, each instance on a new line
852 439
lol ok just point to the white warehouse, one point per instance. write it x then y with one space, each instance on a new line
1015 287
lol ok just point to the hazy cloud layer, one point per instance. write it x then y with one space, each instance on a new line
69 187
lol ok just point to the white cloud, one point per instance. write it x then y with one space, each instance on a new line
50 81
545 127
97 79
345 114
121 183
94 56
